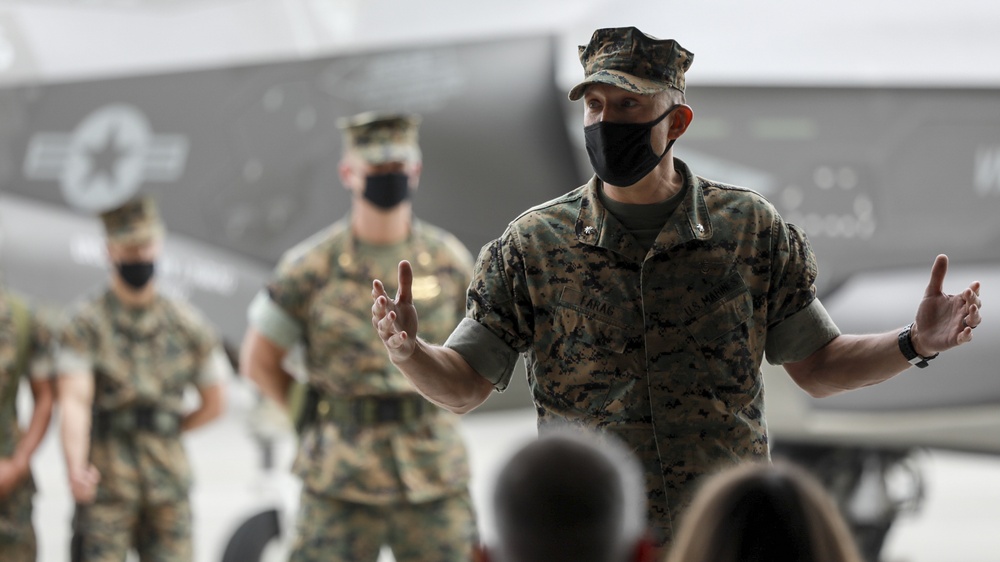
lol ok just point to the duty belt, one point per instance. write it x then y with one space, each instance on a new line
136 419
371 410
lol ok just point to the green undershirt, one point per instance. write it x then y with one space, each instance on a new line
643 221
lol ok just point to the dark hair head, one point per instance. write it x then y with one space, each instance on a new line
568 497
763 512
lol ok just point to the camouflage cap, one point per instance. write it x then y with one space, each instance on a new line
631 60
382 137
135 222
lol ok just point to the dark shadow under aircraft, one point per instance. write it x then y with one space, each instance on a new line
242 160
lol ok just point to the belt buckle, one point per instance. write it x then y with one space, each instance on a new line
388 409
145 419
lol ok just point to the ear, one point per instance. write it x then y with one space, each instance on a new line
646 551
480 554
680 119
415 170
347 173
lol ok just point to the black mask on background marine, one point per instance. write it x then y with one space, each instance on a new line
387 190
135 274
621 153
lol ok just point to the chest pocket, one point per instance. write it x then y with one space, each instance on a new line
722 332
588 320
587 369
723 317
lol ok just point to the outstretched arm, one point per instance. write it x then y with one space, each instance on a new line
441 374
852 361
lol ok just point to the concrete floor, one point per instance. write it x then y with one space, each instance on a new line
957 523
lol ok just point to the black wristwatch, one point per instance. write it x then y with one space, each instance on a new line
906 346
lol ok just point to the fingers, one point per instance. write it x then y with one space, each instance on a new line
386 327
938 271
405 294
972 295
973 318
965 336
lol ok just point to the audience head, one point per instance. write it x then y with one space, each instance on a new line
763 512
570 495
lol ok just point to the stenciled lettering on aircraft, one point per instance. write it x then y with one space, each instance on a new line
178 273
106 158
842 184
420 81
987 172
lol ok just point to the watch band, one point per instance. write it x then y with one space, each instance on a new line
906 347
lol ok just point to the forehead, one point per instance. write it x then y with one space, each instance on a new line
132 249
607 91
380 167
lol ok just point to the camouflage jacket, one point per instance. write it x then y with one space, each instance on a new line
662 347
139 357
324 284
25 351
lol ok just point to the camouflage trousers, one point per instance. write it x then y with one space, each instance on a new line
328 529
17 536
105 531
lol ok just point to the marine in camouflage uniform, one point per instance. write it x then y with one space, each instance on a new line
25 351
380 465
125 358
645 301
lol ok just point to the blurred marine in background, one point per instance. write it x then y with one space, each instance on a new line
125 358
380 465
24 352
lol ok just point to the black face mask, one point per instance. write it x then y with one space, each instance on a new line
135 274
621 153
387 190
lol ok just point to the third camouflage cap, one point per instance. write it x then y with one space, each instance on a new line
382 137
135 222
632 60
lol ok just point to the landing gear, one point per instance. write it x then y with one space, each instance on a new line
871 486
256 540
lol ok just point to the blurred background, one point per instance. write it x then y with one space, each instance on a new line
873 125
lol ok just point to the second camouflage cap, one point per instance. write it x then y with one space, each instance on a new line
135 222
631 60
382 137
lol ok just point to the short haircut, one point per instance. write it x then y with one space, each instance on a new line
763 512
570 495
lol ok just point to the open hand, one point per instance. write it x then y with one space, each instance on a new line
945 321
395 320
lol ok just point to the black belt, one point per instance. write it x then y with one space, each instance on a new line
136 419
371 410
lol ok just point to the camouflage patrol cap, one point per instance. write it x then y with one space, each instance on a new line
382 137
135 222
631 60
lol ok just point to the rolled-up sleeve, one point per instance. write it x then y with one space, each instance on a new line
489 355
799 335
71 362
215 369
273 322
